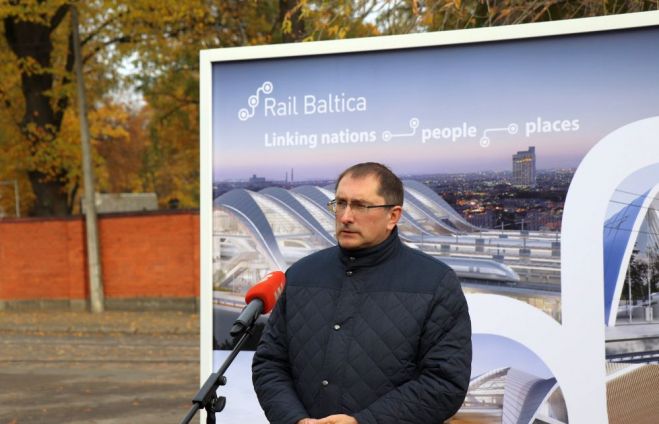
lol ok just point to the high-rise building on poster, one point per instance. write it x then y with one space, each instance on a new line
524 167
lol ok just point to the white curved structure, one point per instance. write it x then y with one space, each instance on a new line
621 233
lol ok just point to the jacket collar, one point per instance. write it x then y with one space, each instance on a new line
370 256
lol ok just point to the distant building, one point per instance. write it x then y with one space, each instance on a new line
124 202
524 167
542 220
482 220
257 183
256 180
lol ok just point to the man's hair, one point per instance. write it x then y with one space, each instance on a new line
391 187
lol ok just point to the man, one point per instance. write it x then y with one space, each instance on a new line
369 331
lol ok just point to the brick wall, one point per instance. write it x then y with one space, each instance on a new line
149 255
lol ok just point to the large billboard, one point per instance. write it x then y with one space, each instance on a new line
530 159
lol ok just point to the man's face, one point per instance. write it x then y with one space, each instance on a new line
355 229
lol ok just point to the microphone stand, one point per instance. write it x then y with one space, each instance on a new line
206 397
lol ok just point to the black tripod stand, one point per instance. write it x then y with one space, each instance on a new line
206 397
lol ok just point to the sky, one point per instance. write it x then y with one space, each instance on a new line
633 187
559 94
491 352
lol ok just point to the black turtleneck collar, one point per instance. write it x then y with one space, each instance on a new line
370 256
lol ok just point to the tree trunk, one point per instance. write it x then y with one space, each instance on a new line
51 195
32 44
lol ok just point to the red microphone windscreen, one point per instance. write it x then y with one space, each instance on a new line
267 290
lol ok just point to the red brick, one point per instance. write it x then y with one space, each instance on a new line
142 255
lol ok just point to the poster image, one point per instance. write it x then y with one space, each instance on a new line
530 161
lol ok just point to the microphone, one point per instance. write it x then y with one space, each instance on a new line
260 299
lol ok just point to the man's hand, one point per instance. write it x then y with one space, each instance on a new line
307 421
336 419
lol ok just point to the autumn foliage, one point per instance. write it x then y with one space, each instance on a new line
140 62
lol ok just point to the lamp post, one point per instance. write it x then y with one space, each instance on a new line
91 225
652 257
648 309
629 296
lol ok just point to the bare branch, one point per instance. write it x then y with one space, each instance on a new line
101 27
119 40
58 16
175 109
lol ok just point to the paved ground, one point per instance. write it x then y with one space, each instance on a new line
114 367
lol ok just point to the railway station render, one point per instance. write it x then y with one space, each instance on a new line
255 232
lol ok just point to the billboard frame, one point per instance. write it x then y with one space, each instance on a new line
374 44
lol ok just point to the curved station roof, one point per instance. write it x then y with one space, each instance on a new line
257 231
512 396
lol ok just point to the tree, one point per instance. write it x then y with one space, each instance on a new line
318 20
405 16
37 35
29 31
169 81
652 272
643 271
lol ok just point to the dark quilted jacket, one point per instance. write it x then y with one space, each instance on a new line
382 334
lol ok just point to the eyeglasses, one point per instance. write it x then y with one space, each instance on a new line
340 206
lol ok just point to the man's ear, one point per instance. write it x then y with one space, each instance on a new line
394 216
